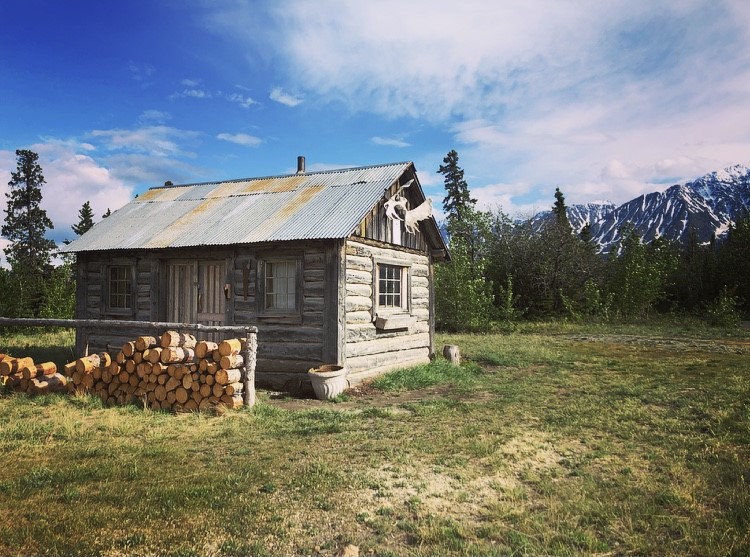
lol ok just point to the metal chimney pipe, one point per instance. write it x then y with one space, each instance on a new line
300 165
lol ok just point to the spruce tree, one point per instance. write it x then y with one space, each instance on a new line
26 223
560 210
85 219
585 233
457 197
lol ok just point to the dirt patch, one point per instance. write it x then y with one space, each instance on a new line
469 495
726 346
357 398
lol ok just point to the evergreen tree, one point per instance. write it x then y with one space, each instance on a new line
463 221
694 278
585 233
560 210
463 293
734 262
558 264
26 222
85 219
457 198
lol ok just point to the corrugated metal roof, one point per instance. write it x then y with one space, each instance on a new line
315 205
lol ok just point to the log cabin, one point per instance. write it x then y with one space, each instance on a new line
320 262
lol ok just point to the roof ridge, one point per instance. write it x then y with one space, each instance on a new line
238 180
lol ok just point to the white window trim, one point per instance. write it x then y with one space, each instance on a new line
391 318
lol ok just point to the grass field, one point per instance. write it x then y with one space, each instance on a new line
554 440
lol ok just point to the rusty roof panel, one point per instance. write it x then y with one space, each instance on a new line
162 194
316 205
187 224
197 192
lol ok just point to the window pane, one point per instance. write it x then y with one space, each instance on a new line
119 287
281 285
389 286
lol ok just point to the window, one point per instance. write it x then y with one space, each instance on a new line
119 289
280 288
281 285
392 297
390 279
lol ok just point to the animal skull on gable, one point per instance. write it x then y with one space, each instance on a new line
398 205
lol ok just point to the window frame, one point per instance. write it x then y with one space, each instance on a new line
130 293
380 312
283 314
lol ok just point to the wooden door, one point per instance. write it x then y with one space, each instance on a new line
196 292
211 296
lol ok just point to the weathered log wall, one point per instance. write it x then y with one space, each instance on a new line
335 321
370 350
286 343
289 343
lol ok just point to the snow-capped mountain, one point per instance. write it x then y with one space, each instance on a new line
705 207
578 215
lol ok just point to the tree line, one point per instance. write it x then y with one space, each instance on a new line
502 271
33 286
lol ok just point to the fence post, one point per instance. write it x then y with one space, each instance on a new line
85 339
250 356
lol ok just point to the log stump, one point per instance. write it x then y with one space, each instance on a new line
452 354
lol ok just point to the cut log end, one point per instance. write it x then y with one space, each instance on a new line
452 354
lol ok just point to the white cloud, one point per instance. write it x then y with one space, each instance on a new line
141 72
71 179
191 93
390 142
158 141
4 260
278 95
141 169
241 139
242 100
154 116
536 92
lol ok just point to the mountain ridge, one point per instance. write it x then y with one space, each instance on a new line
704 209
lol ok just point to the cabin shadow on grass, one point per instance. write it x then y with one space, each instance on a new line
43 345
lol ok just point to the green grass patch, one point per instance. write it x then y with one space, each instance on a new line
435 373
557 439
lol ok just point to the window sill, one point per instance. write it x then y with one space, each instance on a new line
122 313
395 322
286 319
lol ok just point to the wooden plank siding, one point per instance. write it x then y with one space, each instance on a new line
377 226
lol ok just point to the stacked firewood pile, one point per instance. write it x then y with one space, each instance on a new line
173 372
23 375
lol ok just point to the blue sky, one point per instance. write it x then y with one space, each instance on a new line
605 100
